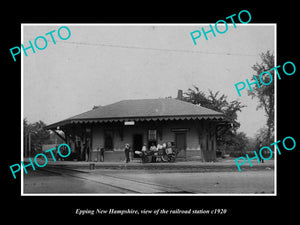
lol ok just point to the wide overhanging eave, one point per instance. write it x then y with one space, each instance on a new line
217 117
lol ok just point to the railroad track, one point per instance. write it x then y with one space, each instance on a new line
124 184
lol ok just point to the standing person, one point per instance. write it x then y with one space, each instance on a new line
153 150
127 150
101 154
260 145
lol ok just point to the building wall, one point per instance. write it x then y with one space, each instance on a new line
200 137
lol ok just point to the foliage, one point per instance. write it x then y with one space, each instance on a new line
215 102
262 136
240 142
227 138
37 134
235 143
265 94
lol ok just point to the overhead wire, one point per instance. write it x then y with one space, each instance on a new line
155 49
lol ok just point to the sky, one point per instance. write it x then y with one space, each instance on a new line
105 63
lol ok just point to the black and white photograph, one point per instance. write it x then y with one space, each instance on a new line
158 112
149 109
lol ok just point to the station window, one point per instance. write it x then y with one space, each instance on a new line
152 135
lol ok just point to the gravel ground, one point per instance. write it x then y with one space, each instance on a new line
40 182
213 182
258 182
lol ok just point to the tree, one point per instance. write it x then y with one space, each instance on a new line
262 136
240 142
196 97
215 102
226 137
37 135
265 93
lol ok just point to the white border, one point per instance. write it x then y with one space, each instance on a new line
22 111
275 111
147 24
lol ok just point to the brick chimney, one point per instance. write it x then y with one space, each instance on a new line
179 95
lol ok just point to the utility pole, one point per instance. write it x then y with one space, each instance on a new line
29 143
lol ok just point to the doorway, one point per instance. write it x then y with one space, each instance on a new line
180 144
137 144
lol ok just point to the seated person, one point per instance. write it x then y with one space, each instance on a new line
159 148
144 148
169 148
143 151
153 150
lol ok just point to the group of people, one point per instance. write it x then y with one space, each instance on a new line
153 150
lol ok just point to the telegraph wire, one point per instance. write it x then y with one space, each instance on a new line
153 49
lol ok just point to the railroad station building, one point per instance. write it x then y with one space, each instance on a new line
190 128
